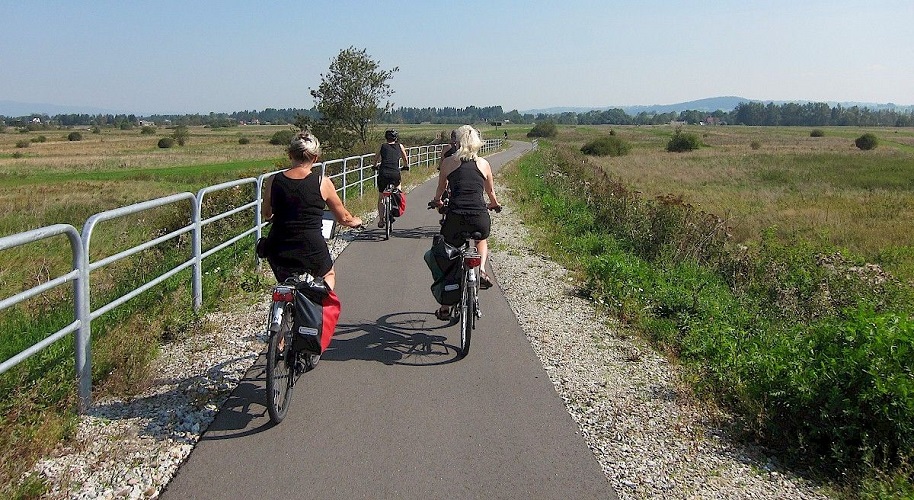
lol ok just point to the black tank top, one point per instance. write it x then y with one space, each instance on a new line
466 184
298 206
390 158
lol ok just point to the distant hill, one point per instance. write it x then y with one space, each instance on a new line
711 104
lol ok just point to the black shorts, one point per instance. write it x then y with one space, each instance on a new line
311 255
385 178
455 224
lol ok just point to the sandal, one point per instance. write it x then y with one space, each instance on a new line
484 282
443 314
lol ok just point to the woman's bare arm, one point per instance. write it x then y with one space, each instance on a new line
266 208
328 191
489 182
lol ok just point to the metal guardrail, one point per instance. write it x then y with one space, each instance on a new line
353 172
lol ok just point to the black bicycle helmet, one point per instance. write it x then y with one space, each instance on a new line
392 135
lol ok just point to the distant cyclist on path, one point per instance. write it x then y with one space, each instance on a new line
387 163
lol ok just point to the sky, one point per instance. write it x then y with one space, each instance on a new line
201 56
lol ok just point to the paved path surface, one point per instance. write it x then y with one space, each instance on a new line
390 412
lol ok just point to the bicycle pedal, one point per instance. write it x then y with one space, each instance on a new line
300 365
478 312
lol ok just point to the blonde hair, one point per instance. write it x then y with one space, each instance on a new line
304 146
470 143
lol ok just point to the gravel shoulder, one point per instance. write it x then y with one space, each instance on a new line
648 434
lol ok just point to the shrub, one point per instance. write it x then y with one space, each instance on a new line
40 138
245 140
817 132
180 135
681 142
147 130
607 146
866 142
23 144
544 129
96 130
755 145
74 136
282 138
166 142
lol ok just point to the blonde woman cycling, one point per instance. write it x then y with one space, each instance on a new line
467 176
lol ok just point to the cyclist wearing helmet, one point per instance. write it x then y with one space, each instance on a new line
387 163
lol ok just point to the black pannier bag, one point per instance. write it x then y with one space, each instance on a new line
443 260
317 310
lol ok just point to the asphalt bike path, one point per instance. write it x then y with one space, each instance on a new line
390 411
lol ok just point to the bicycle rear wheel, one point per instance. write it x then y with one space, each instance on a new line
280 370
388 224
467 315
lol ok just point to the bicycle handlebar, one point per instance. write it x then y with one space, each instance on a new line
432 204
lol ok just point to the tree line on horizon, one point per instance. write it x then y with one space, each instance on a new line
749 113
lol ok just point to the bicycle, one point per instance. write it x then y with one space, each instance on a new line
386 208
285 363
386 204
467 311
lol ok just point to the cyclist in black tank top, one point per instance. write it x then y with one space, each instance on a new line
294 202
387 163
451 150
467 176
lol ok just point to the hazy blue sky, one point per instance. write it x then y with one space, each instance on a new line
195 56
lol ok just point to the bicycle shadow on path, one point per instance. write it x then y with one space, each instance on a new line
404 338
244 406
374 233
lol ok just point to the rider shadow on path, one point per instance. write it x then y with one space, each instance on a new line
404 338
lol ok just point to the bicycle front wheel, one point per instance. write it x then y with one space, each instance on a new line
280 370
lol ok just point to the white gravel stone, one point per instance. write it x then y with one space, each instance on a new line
635 415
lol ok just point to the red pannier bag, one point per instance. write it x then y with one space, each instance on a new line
397 202
317 310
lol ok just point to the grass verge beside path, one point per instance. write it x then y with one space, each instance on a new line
811 349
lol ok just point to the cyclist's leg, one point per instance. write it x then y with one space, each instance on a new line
381 184
330 278
483 224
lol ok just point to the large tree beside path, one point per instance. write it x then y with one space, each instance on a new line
350 96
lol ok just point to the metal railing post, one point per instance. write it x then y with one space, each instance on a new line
84 332
197 238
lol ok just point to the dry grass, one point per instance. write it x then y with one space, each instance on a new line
126 149
820 188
